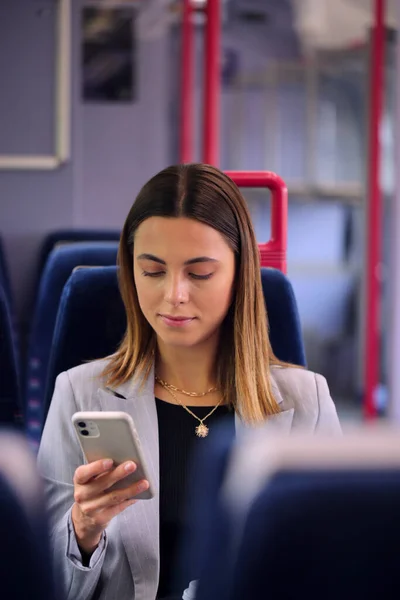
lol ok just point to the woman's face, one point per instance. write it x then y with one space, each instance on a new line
184 273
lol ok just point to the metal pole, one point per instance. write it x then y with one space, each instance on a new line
187 84
394 334
212 83
374 225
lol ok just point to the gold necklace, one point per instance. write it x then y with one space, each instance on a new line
202 429
170 387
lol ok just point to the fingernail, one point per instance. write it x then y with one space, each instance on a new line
143 486
108 463
129 467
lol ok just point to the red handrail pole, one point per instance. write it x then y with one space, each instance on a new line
275 250
212 84
187 84
372 325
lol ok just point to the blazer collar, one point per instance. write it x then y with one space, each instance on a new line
131 387
134 388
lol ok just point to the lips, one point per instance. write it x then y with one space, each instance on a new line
171 318
176 321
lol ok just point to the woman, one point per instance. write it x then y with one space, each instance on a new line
196 350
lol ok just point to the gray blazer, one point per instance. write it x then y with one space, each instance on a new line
125 566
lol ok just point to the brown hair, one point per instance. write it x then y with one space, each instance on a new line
203 193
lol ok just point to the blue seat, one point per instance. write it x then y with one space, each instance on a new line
91 320
284 321
26 569
5 283
338 531
64 236
73 235
311 535
10 392
5 276
59 266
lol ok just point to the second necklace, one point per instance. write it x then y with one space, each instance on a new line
202 429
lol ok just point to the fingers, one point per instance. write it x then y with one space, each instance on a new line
100 520
119 473
113 498
112 512
95 503
86 473
95 487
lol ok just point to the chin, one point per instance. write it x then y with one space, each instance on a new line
178 341
184 340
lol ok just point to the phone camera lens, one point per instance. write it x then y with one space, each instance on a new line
82 424
84 432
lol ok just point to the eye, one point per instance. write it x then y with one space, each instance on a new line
151 274
201 277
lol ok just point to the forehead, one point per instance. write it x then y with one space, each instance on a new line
180 234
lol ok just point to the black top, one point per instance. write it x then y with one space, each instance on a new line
177 440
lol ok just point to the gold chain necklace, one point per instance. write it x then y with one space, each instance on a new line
170 387
202 429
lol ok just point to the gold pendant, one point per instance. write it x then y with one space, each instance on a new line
202 430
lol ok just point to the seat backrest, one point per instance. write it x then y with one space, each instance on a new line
308 535
10 398
299 516
26 568
91 320
59 266
284 321
338 531
4 275
5 283
63 236
73 235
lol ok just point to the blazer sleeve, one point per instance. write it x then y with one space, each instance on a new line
328 420
59 456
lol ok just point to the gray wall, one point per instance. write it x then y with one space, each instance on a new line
114 148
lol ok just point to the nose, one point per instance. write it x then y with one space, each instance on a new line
176 291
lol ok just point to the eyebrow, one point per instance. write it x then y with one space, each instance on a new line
191 261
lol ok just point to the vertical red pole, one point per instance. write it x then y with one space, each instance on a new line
211 109
372 325
187 83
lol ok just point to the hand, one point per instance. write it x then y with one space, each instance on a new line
95 504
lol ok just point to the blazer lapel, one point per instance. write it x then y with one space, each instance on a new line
139 524
281 423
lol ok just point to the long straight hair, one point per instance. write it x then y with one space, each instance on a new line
205 194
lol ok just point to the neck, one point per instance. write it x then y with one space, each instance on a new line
190 369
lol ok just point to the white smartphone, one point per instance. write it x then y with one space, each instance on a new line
112 434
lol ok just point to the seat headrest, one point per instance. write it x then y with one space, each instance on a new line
91 320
